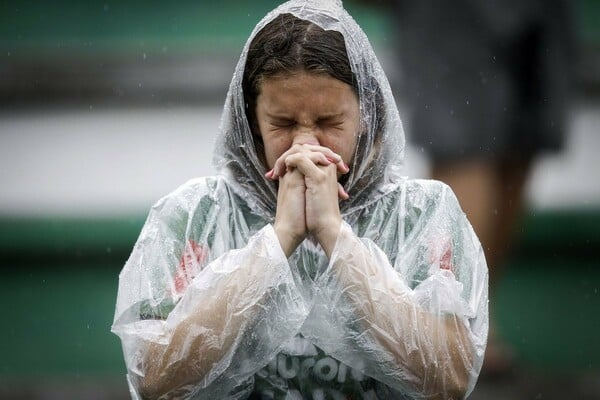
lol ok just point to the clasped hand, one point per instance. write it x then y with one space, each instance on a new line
307 199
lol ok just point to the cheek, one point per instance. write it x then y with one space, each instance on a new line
342 145
351 133
269 146
348 143
274 149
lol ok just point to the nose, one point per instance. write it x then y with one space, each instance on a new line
306 136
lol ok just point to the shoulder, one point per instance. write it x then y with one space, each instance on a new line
426 193
427 187
191 192
197 193
413 198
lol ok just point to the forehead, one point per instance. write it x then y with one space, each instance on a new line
305 90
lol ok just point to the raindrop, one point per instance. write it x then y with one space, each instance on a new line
467 101
108 250
144 56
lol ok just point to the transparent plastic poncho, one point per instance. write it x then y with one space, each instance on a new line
209 307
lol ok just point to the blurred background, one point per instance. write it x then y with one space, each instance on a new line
107 106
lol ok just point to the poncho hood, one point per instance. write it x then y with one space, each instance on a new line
377 161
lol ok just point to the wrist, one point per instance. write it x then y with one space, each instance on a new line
288 240
327 236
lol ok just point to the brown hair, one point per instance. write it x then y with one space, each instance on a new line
290 44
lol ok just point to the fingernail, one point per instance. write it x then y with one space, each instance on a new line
269 174
346 166
331 160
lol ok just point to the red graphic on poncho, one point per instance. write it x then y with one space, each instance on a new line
446 258
190 265
441 254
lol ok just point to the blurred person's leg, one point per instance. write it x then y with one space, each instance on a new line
491 195
513 178
475 184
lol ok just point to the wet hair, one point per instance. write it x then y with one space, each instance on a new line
289 44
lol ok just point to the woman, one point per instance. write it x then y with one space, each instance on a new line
308 268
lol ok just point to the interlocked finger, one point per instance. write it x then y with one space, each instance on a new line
319 155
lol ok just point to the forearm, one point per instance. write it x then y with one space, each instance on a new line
197 342
224 302
435 349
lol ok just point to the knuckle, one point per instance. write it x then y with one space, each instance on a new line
292 159
321 177
297 147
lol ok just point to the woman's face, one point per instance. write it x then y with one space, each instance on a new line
307 108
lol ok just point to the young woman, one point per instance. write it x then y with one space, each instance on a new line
308 268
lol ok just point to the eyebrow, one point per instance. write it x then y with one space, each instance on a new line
322 117
278 116
332 116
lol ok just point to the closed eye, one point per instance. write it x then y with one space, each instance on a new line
283 123
331 123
